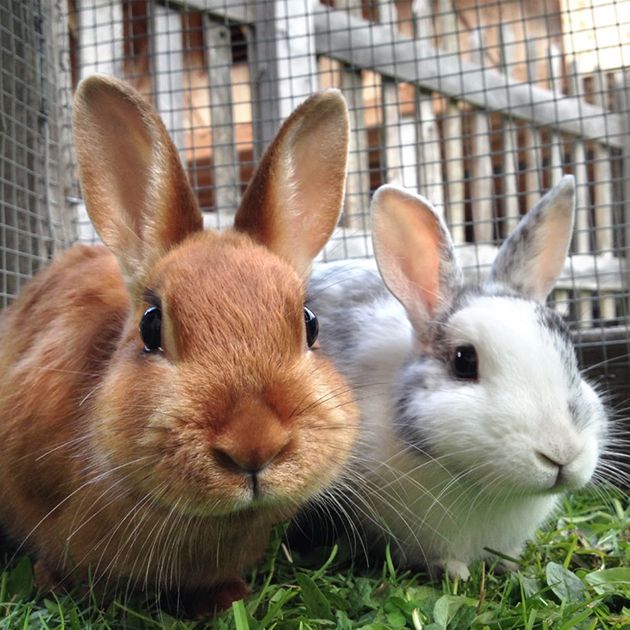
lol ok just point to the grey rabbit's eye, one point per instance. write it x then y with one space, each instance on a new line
151 329
465 362
312 326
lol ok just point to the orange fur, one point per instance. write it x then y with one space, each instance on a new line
130 464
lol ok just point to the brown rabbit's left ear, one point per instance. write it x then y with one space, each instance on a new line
293 202
133 182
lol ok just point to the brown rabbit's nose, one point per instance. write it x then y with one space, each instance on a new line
253 437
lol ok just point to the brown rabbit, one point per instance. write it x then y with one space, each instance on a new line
160 405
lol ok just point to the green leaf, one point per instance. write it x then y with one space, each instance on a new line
20 582
240 615
316 603
564 583
610 580
445 608
396 619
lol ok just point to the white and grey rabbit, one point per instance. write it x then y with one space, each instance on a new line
474 416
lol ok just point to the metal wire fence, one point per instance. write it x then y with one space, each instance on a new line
33 189
480 105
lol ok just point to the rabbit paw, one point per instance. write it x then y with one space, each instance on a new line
452 568
202 604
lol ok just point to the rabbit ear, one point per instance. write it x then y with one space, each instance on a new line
133 182
534 254
414 253
293 202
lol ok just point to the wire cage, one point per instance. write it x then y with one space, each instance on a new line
480 105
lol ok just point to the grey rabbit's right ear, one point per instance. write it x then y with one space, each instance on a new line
533 256
414 253
135 188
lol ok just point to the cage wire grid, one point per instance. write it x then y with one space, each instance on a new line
479 105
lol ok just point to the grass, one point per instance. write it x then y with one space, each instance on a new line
574 575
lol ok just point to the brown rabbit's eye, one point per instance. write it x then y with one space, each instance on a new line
151 329
465 362
312 326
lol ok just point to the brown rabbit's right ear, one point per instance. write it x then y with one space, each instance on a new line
293 202
133 182
414 253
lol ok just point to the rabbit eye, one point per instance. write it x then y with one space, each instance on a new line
465 362
312 326
151 329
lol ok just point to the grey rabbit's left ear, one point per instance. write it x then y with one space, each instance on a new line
414 253
533 256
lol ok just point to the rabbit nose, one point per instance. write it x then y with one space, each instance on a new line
253 436
248 463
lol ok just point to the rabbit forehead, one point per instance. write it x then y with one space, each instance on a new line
225 288
515 336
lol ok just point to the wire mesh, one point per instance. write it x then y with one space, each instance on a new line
31 171
479 105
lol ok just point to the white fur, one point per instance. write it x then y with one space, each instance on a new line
451 467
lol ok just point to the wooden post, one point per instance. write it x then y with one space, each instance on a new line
581 239
510 142
225 162
481 160
429 161
556 148
168 71
603 189
66 184
532 138
392 131
283 66
452 129
556 167
358 182
101 49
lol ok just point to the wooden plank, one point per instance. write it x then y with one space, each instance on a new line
100 49
67 184
602 177
237 11
481 183
168 71
283 65
453 133
392 132
511 214
358 182
532 138
225 162
562 296
581 238
556 148
603 191
428 157
353 40
100 33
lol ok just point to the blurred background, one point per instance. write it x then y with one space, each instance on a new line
479 105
